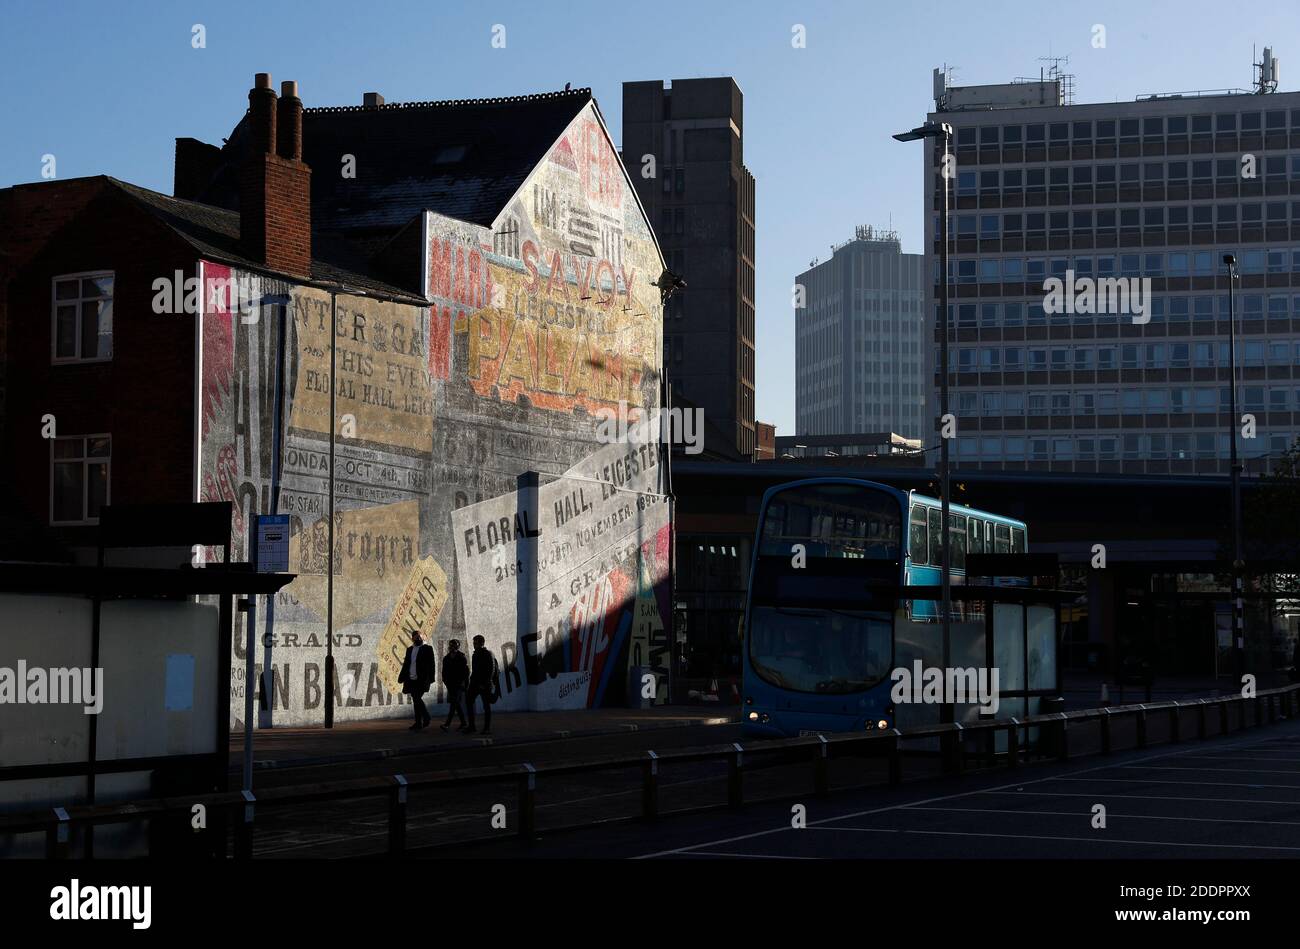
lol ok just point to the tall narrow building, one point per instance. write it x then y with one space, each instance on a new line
683 148
859 340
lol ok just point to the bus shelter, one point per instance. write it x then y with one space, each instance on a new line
1001 656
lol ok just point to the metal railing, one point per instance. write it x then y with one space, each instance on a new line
239 807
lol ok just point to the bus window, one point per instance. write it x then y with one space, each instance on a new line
957 529
820 651
918 541
975 542
936 535
1001 539
833 521
1017 540
988 537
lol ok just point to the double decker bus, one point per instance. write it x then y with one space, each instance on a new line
824 623
972 532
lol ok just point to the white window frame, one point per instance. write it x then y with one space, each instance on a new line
85 481
55 358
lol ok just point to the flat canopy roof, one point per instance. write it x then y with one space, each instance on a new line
815 468
126 583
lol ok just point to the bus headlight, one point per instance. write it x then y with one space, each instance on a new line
882 724
753 716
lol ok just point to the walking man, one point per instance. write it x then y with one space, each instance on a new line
455 676
482 678
417 676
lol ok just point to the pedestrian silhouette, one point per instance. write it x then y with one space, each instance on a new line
416 677
455 676
482 682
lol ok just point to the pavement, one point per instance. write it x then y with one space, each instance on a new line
392 738
1084 690
282 747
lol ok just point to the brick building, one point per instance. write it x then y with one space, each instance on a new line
391 312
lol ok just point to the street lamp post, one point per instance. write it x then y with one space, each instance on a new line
942 130
1238 565
329 563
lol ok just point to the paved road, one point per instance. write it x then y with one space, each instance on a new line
1236 796
360 827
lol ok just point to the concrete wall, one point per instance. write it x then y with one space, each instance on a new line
694 130
535 325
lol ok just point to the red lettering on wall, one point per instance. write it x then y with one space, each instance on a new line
440 269
440 331
557 270
529 254
472 291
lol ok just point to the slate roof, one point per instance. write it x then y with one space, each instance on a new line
462 158
214 234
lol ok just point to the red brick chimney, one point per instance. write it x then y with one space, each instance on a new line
275 186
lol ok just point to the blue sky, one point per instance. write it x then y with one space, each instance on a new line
107 87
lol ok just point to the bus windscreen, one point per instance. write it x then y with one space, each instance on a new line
833 521
821 651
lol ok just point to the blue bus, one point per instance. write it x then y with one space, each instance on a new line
824 626
972 531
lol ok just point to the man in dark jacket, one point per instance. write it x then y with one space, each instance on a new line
417 676
482 677
455 677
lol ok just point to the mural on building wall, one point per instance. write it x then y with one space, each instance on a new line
554 309
381 482
601 535
534 325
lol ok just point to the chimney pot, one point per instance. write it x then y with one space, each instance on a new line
261 115
288 144
275 185
373 99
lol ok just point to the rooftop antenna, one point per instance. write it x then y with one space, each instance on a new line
942 83
1267 76
1054 73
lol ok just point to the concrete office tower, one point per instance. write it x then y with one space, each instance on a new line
1159 188
860 340
700 202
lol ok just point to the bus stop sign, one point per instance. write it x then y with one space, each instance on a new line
271 543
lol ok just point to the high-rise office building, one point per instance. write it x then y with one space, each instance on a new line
700 201
1116 193
860 340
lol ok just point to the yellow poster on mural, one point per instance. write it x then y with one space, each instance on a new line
374 550
383 394
558 344
417 609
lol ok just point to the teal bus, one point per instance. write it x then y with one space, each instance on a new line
972 532
824 622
